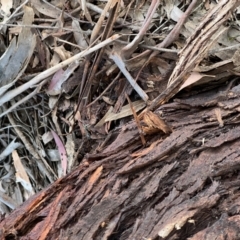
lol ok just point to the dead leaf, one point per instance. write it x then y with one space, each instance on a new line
154 123
70 149
194 77
55 86
125 111
47 137
176 13
17 56
45 9
21 175
6 6
62 152
62 53
80 37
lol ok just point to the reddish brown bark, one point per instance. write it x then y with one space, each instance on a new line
182 185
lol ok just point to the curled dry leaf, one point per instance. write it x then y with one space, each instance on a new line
193 78
17 56
62 53
154 124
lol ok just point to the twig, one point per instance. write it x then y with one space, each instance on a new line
69 43
196 48
100 10
159 49
105 90
137 120
29 146
224 49
37 26
121 65
22 100
15 92
172 35
130 48
13 14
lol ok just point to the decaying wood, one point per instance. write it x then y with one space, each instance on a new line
176 188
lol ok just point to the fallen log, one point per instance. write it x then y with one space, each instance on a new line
184 185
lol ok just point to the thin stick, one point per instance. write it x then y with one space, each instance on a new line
105 90
69 43
38 26
172 35
16 10
137 120
176 30
159 49
130 48
15 92
121 65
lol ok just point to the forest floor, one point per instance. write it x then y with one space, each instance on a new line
119 119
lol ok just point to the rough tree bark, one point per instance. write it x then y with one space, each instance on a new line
184 185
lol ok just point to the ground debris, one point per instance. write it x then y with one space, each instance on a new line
171 172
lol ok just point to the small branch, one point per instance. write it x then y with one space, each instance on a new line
130 48
37 26
173 35
121 65
137 120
